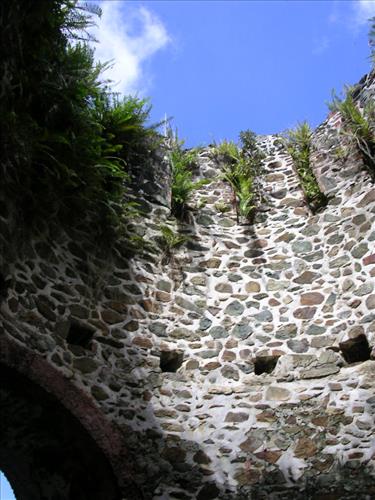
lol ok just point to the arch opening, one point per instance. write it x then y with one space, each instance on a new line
6 489
45 452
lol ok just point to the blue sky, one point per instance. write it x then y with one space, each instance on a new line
6 492
218 67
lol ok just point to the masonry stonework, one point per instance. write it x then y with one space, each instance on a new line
241 365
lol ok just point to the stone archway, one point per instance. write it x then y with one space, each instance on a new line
54 443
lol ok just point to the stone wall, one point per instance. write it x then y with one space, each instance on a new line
237 366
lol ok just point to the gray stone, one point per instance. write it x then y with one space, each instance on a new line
307 277
367 199
311 230
230 372
184 333
328 217
275 285
45 307
204 220
264 316
236 417
314 256
298 346
368 318
192 290
331 300
218 332
252 303
347 285
235 308
163 285
234 277
204 323
301 246
287 331
304 312
99 393
315 330
209 353
199 280
277 393
370 302
186 304
133 289
320 371
322 341
282 265
364 289
287 237
112 317
335 239
360 250
340 261
242 331
85 365
79 311
290 362
252 443
226 222
158 328
224 288
359 219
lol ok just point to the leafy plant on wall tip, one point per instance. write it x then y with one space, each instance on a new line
298 145
241 169
67 140
170 240
182 163
358 126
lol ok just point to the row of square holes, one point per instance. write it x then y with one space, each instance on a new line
353 350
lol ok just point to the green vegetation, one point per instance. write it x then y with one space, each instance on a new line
239 176
359 123
222 207
340 153
298 144
67 140
226 151
170 241
251 151
202 202
358 126
241 169
182 163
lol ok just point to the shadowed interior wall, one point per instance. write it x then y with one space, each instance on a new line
240 365
44 451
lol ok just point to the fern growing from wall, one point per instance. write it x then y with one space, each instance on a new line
298 145
358 126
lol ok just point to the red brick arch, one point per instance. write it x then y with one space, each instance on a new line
108 438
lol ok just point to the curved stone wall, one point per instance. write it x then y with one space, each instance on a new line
238 366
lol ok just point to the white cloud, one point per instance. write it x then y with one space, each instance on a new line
128 35
364 10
